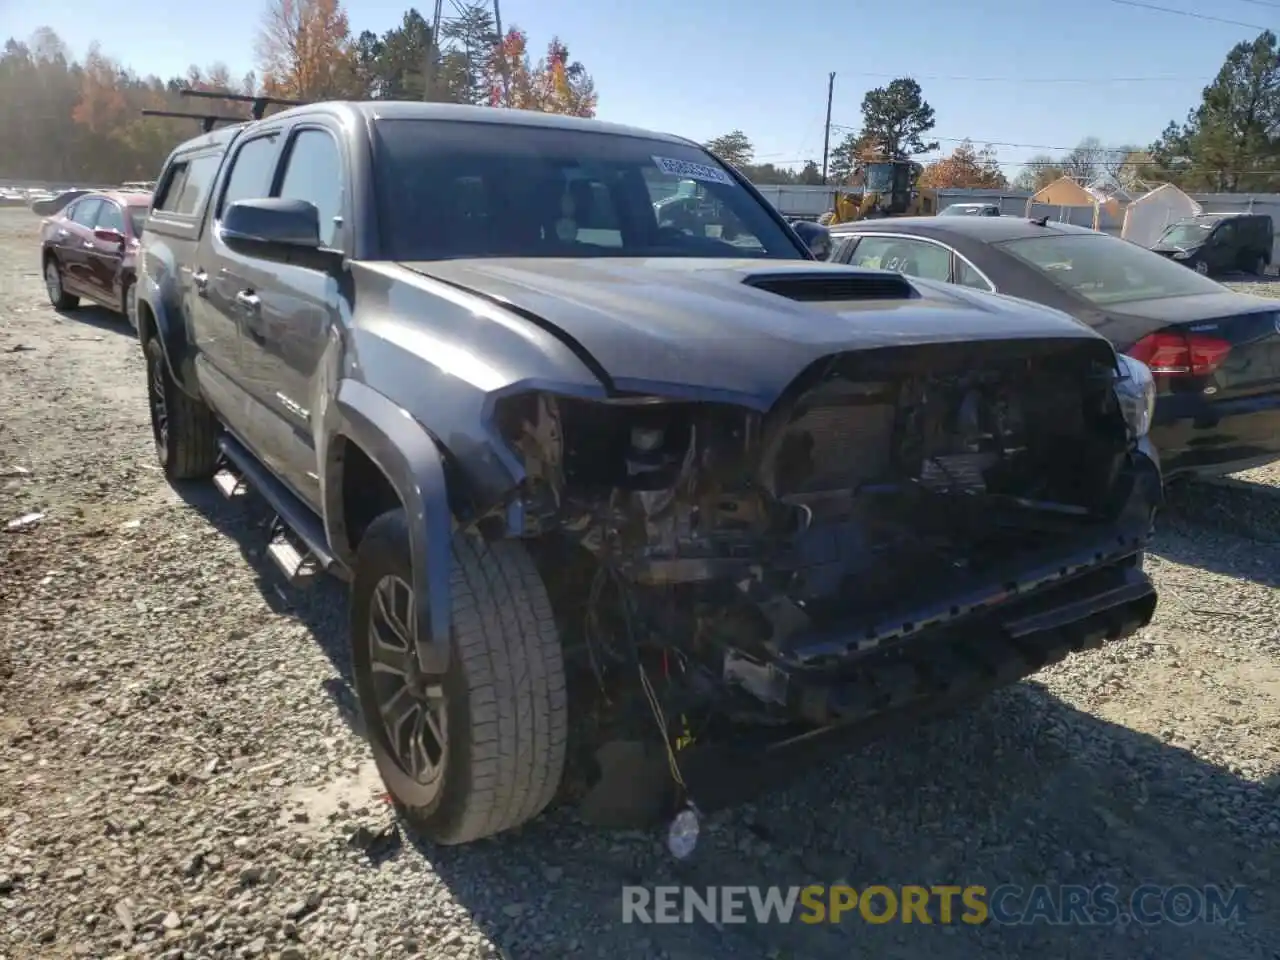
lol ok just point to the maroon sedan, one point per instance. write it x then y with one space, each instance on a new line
88 249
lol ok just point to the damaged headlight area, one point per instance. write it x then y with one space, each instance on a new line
1136 391
754 561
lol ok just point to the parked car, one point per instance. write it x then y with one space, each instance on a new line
539 433
970 210
1220 243
1215 353
90 249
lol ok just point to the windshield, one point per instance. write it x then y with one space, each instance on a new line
965 210
1105 270
459 189
879 178
137 217
1187 234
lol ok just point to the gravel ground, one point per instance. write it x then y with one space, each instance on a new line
182 773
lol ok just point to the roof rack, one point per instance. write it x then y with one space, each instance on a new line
259 103
208 121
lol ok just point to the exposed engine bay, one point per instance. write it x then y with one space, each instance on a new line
887 492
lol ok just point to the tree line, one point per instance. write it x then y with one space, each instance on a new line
63 119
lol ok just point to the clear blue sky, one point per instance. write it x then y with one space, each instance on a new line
703 67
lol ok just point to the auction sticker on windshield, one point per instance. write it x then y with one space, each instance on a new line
692 171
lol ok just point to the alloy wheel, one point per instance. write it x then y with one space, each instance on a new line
1202 268
411 705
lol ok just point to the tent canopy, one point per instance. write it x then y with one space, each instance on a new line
1146 218
1065 192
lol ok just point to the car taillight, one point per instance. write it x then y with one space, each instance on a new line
1180 354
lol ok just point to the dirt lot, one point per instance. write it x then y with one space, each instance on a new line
182 775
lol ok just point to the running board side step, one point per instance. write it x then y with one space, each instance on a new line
298 545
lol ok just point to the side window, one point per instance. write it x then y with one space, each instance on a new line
912 257
966 276
166 197
86 212
313 173
196 184
110 217
841 247
251 171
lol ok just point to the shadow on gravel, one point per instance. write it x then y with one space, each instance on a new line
1231 528
1021 788
99 318
322 607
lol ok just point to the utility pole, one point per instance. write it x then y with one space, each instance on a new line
431 69
826 136
502 53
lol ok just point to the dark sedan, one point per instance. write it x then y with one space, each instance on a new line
88 250
1215 354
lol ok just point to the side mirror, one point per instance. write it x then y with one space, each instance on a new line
279 230
815 236
107 235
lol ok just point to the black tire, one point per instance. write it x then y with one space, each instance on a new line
129 303
185 430
59 297
505 704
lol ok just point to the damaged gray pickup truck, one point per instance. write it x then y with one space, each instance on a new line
675 482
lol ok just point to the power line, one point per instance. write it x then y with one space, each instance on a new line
981 142
1082 80
1188 13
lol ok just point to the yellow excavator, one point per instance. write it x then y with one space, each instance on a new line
883 188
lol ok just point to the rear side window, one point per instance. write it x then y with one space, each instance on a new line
187 184
966 276
110 217
170 186
85 213
251 172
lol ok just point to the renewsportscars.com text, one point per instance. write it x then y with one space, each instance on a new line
1061 904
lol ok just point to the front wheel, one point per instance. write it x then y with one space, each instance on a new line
1202 268
480 749
184 428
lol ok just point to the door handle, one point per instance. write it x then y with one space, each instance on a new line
90 245
248 300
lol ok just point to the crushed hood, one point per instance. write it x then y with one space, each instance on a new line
655 322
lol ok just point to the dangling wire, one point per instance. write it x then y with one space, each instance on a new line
645 684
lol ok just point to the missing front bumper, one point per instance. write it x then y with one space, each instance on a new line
912 681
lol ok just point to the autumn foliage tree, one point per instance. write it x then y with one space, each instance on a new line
305 51
966 167
555 84
69 121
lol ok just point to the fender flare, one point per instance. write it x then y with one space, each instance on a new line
172 333
410 458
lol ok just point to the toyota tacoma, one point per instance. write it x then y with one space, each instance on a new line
674 480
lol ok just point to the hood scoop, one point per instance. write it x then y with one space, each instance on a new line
834 287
